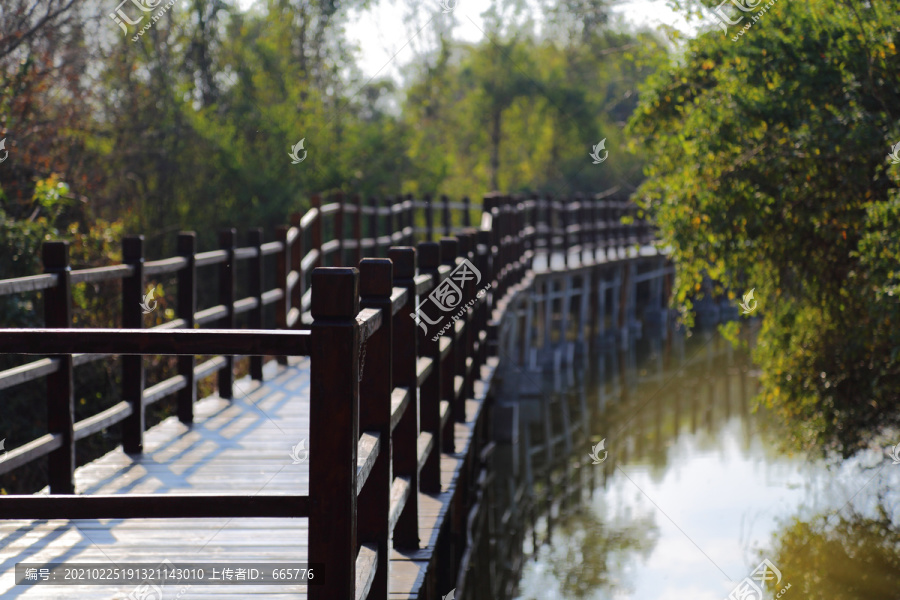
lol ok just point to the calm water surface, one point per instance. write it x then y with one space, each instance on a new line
694 493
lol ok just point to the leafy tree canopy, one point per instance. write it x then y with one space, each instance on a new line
768 169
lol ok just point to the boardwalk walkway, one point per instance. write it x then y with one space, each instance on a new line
242 445
403 457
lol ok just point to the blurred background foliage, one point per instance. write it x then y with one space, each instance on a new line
769 169
189 127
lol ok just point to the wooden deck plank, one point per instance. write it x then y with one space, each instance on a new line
242 445
239 446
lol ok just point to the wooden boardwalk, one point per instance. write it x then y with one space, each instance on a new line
399 444
238 446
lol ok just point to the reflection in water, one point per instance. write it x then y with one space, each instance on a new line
855 557
693 494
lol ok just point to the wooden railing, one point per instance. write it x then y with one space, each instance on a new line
393 414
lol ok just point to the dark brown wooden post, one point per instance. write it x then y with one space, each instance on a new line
406 433
396 219
467 212
298 251
410 220
255 285
316 202
603 207
334 431
449 254
429 218
339 229
133 366
566 241
466 249
226 298
357 227
187 306
448 222
282 270
60 387
375 388
483 257
373 223
581 222
429 259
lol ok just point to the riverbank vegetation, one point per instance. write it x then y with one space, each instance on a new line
769 169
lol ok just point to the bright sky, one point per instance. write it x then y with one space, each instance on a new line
387 41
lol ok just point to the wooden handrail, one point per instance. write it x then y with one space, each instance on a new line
382 370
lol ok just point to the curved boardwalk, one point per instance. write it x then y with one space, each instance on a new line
235 446
396 508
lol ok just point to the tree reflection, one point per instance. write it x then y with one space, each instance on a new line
844 558
586 554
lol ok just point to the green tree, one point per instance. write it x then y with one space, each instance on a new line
768 170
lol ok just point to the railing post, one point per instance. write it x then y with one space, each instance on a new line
429 218
298 251
375 389
406 433
282 270
316 202
548 218
60 387
429 259
483 262
334 431
410 220
564 214
582 223
357 227
605 227
226 297
396 221
466 250
450 250
448 222
255 286
339 229
373 223
467 212
187 306
133 366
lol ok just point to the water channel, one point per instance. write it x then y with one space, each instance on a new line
693 493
